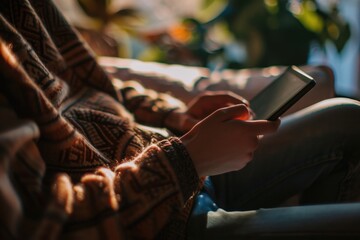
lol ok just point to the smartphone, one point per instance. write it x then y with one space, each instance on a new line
281 94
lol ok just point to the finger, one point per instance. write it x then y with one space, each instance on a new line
228 97
239 111
106 173
234 97
62 192
263 127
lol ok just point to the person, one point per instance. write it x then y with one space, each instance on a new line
76 161
313 158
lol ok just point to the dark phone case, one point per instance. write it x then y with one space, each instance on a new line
299 73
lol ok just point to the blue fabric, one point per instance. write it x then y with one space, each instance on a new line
204 201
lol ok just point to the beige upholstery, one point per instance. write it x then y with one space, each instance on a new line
185 82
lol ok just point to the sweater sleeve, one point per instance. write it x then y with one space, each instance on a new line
148 106
154 186
136 200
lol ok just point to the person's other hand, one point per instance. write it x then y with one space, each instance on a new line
201 107
223 141
208 102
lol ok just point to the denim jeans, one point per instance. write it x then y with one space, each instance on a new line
315 155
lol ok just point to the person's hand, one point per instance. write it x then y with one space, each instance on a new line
201 107
208 102
223 141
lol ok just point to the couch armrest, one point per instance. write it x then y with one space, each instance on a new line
185 82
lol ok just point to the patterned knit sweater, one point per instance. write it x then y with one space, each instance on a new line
74 162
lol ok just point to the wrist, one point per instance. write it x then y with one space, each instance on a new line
173 121
170 117
188 143
183 166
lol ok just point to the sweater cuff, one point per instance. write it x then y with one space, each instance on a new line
183 166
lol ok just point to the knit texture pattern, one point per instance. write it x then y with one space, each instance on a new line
74 161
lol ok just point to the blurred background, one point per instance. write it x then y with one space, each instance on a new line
220 34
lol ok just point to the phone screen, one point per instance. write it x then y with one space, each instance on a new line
281 94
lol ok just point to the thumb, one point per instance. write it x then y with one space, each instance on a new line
239 111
